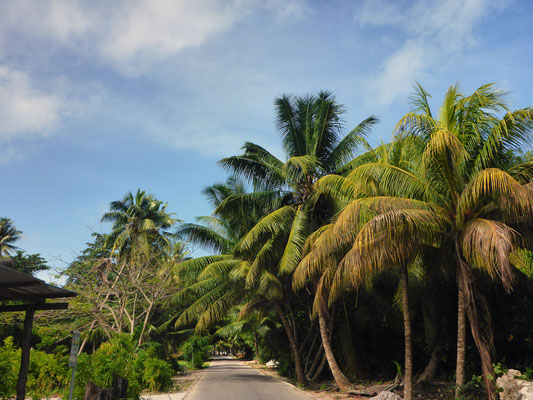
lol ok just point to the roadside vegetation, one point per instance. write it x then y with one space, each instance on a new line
341 260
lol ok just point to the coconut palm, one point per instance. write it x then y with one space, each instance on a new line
9 234
216 281
465 197
324 254
139 224
315 145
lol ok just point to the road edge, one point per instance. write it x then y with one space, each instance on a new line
193 384
276 376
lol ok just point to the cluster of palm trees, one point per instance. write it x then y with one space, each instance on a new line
448 196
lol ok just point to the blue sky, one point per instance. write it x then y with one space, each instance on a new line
98 98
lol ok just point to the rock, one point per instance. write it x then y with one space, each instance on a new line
386 396
514 388
272 364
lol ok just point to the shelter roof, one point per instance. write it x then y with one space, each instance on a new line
16 285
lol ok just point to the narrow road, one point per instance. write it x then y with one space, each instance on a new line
228 379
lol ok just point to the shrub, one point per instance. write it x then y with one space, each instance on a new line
9 367
49 373
196 350
156 373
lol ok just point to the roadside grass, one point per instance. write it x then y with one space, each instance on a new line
190 367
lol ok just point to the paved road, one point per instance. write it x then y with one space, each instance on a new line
228 379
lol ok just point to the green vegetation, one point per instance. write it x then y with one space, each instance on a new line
337 260
196 350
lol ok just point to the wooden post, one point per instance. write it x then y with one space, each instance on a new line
120 387
95 392
25 352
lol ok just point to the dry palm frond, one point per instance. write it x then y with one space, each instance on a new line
493 184
486 245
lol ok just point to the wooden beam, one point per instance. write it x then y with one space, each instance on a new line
13 294
25 353
19 284
36 307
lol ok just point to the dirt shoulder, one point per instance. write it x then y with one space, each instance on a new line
327 390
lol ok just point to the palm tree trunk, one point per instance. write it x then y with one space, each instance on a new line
432 366
340 379
483 336
408 379
308 357
461 341
300 377
318 356
320 368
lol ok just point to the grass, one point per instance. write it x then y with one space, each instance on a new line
183 363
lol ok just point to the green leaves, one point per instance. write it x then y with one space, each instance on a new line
9 234
274 223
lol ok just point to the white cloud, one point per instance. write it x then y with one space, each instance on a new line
400 71
57 19
131 35
288 10
25 111
150 30
434 34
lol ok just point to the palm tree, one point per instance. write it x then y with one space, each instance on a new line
216 281
9 234
315 145
325 251
465 197
139 223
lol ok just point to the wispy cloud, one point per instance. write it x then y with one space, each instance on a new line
151 30
433 34
25 111
131 35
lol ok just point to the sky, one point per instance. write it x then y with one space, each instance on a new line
99 98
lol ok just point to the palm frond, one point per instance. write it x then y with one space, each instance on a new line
345 150
275 222
486 245
298 235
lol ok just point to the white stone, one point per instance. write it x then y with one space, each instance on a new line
514 388
272 364
386 396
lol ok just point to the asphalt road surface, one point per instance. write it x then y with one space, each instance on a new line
228 379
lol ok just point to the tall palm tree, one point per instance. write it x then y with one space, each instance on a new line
465 197
9 234
323 256
314 142
139 224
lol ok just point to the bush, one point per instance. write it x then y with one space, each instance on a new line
9 367
49 373
120 356
156 373
196 350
